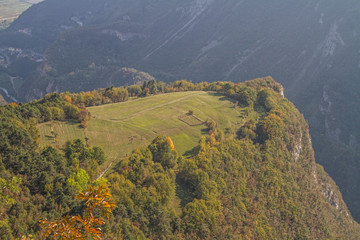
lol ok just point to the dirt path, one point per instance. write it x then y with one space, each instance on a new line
103 172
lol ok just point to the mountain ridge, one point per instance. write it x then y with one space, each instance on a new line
311 47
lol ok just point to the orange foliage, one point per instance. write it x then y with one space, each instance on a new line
13 104
97 199
68 98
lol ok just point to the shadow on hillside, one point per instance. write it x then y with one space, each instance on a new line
49 137
222 97
183 192
193 151
74 123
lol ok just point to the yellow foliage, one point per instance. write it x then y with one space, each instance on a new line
13 104
68 98
170 143
81 227
212 139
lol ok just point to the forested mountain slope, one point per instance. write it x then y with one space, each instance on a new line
260 182
311 47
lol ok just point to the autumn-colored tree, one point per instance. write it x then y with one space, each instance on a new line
97 201
67 98
170 143
163 151
13 104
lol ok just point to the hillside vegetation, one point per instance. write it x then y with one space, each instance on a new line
251 175
311 47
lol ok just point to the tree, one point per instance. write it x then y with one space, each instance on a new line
71 111
97 200
163 151
79 180
246 96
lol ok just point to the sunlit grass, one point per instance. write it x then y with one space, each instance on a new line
119 128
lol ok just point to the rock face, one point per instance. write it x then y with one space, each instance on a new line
311 47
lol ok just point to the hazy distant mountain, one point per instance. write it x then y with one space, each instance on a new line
311 47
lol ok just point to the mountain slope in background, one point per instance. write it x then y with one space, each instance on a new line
311 47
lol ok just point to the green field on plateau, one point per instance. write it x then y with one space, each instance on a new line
121 127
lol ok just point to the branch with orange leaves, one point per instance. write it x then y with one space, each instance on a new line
97 199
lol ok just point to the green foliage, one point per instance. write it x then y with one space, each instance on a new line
163 151
99 155
78 180
246 96
71 111
8 188
116 94
200 216
265 99
248 130
81 156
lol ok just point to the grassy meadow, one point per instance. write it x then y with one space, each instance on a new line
119 128
64 131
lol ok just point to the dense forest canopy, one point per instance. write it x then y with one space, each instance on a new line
261 182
